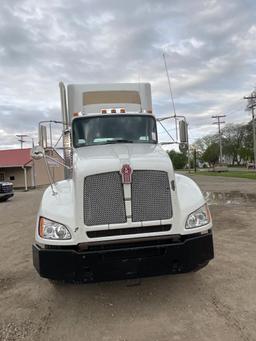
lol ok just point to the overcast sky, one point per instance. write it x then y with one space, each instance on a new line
209 47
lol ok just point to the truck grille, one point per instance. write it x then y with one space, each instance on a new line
104 199
151 195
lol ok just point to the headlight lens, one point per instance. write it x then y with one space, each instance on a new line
199 217
49 229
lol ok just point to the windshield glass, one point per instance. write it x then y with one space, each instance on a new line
96 130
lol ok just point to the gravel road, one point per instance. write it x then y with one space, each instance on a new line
216 303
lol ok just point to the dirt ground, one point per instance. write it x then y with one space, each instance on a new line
216 303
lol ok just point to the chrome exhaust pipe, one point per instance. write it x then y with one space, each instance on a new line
66 134
63 101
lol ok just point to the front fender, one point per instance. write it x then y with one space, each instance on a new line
190 198
59 207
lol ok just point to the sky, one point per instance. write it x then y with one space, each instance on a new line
209 47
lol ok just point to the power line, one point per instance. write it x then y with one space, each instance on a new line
219 122
234 110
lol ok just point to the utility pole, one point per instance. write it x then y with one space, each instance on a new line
219 122
252 106
21 139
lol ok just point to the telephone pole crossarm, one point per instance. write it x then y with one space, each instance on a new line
21 139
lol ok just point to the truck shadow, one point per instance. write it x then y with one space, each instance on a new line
144 293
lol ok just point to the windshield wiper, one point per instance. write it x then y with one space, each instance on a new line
119 141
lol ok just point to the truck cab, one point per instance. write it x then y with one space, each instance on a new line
122 211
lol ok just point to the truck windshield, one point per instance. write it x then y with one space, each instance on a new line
97 130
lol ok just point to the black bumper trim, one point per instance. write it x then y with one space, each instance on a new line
127 231
6 195
124 262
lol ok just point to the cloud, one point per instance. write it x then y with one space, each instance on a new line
209 48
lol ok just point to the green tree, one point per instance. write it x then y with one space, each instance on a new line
246 154
201 144
211 154
233 141
179 160
248 141
236 142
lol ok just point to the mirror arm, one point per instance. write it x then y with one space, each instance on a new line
57 161
49 176
170 117
166 131
165 143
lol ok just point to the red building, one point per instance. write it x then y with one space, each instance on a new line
17 166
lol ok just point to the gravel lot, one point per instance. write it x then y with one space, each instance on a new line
217 303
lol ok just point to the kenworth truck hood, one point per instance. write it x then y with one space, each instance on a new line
111 157
94 160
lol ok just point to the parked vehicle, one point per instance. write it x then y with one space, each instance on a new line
6 190
122 212
250 165
220 168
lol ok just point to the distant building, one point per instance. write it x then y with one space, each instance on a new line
17 166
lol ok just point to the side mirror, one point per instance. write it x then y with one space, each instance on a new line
42 136
37 153
183 130
183 147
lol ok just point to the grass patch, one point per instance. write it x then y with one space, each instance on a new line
230 174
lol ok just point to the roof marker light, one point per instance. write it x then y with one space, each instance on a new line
113 111
122 111
104 111
75 114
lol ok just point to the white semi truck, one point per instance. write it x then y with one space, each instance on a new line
121 212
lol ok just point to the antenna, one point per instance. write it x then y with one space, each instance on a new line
170 88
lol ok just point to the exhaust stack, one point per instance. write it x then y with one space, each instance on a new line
66 134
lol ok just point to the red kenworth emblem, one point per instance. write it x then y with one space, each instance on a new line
126 173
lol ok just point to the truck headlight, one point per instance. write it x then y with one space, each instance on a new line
49 229
199 218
